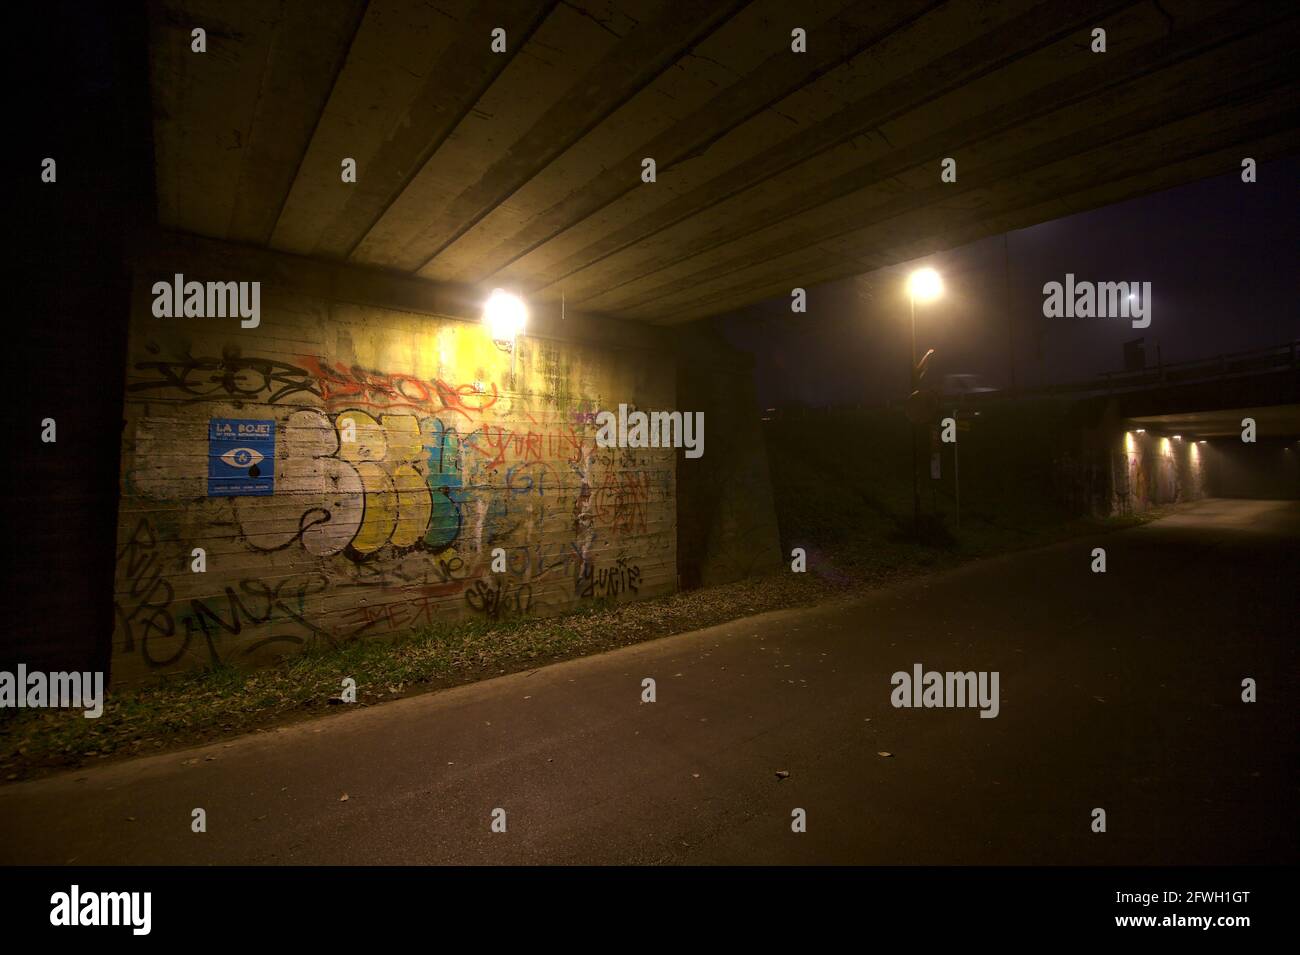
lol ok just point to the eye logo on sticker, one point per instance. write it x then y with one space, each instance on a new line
242 457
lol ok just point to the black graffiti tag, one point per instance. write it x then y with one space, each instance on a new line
230 376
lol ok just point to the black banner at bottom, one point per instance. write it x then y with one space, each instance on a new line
353 905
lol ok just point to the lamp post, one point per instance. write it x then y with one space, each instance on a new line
923 284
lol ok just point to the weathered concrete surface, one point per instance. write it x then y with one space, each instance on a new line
1119 691
1118 467
775 169
726 517
1177 457
472 485
1115 461
421 474
462 448
1271 421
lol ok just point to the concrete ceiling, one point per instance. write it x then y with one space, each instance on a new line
1273 421
775 169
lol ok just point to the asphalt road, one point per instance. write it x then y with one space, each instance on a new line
1119 691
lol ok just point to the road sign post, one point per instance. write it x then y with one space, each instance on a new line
963 426
956 473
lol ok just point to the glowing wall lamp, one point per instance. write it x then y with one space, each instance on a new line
504 315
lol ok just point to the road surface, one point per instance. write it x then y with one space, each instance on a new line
1119 691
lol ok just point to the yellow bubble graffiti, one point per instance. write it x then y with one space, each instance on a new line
369 445
379 520
414 506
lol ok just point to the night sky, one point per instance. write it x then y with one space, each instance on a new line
1221 256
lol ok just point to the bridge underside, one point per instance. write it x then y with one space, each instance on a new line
1277 421
774 169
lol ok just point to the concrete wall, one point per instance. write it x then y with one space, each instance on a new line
454 456
1107 467
1149 470
726 518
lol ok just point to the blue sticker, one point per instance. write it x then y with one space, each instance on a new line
241 458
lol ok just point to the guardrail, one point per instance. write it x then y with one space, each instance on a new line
1224 366
1227 365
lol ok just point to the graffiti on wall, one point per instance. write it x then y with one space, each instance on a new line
1153 470
162 629
313 381
392 494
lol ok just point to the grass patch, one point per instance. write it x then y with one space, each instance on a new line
203 705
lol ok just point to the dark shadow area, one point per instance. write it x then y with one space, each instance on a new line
84 103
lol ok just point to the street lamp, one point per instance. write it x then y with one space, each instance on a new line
923 285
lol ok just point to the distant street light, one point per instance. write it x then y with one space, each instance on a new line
925 285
